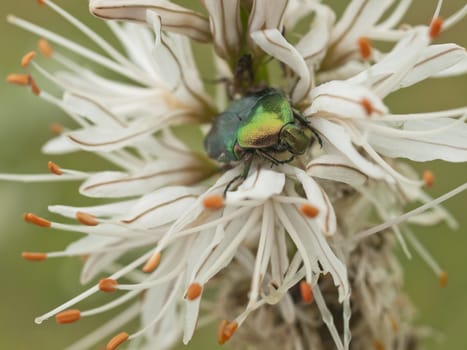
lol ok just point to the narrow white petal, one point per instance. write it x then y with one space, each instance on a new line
261 184
336 136
337 168
173 17
273 43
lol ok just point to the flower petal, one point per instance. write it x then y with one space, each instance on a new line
261 184
336 168
273 43
449 143
224 16
173 17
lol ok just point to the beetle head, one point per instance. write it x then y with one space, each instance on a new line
296 139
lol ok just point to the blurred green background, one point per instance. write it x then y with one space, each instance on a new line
29 289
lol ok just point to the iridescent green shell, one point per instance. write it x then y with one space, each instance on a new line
253 122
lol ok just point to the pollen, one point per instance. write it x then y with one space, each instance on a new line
306 292
428 178
68 316
194 291
367 106
27 58
365 47
435 27
309 210
54 168
108 285
443 279
19 79
34 88
152 263
213 202
86 219
117 341
56 128
36 220
378 345
225 331
34 256
45 48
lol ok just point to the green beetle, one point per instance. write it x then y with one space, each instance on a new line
262 123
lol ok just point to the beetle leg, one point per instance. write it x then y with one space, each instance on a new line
243 175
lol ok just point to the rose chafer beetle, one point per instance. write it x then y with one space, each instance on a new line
261 123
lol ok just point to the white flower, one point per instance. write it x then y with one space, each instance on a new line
187 217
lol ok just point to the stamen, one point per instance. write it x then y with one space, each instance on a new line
152 263
367 106
19 79
194 291
34 88
108 285
443 279
117 341
27 59
428 178
54 168
309 210
86 219
41 2
213 202
68 316
306 292
365 47
436 27
34 256
56 128
393 323
225 331
378 345
36 220
45 48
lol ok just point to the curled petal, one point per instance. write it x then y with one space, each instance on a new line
273 43
173 17
261 184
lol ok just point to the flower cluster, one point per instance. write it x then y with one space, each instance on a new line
259 234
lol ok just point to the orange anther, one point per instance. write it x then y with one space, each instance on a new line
428 178
19 79
54 168
435 27
365 47
34 256
194 291
213 201
86 219
41 2
378 345
34 88
68 316
27 58
108 285
367 106
152 263
45 48
306 292
36 220
225 331
443 279
116 341
56 128
309 210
